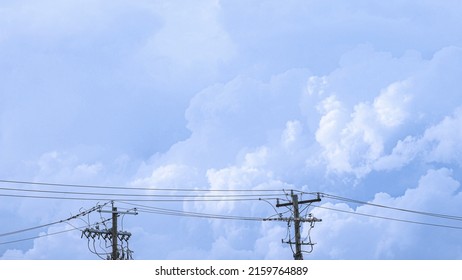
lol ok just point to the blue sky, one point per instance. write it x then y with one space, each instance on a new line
359 99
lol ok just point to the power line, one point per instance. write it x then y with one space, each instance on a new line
114 198
437 215
132 188
196 195
181 213
28 229
50 197
137 195
222 198
272 195
388 218
200 215
36 237
47 234
81 214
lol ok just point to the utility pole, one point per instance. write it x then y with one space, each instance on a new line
112 234
298 245
115 251
296 219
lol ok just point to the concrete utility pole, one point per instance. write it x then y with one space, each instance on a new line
296 218
298 244
115 251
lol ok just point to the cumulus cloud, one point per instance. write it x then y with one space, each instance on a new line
71 80
218 95
445 139
356 135
437 144
391 106
50 247
169 175
345 235
356 132
191 37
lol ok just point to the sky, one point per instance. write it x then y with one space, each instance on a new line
353 99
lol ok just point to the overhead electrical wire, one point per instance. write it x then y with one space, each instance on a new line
81 214
152 194
133 188
48 234
136 195
185 195
28 229
345 199
388 218
281 192
436 215
51 197
115 198
201 199
36 237
199 215
174 212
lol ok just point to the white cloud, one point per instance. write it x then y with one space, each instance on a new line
391 105
291 135
329 133
353 136
342 235
57 166
53 247
445 139
350 142
404 151
355 132
191 37
97 92
269 245
439 143
169 175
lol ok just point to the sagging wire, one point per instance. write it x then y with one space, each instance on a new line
274 208
308 237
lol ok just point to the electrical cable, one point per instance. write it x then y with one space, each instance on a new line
129 188
285 191
43 235
197 199
134 195
81 214
181 213
171 212
274 208
437 215
35 237
388 218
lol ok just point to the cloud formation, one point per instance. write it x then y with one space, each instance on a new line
371 238
356 130
358 99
